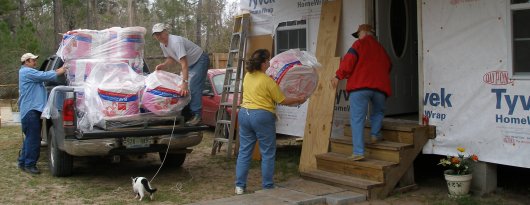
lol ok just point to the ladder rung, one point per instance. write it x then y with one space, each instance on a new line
224 122
224 140
226 103
234 51
236 34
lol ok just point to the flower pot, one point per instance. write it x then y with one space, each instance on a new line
458 185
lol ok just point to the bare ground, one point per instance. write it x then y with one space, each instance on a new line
202 177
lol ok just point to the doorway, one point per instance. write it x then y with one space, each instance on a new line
396 29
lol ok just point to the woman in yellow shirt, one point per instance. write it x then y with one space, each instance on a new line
257 120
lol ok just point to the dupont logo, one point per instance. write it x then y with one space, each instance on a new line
497 78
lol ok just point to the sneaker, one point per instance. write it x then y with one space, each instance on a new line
43 143
374 139
239 190
32 170
355 157
196 119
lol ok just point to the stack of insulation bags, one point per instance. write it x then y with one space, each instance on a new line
295 72
108 65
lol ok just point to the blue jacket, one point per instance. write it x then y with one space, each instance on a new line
32 93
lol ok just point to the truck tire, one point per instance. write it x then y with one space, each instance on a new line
60 163
173 160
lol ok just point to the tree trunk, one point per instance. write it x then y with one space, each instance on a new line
93 14
57 21
131 11
208 24
21 10
199 17
88 15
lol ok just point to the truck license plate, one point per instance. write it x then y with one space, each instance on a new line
137 142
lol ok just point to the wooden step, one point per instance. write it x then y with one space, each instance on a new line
370 169
352 183
385 144
385 150
406 137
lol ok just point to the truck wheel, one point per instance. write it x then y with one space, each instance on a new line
61 163
173 160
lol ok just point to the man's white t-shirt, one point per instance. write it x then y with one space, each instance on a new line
178 47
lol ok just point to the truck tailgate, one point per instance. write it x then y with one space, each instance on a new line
140 131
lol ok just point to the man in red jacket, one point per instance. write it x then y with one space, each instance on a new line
367 66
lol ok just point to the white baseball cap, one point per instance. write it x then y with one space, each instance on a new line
28 56
159 27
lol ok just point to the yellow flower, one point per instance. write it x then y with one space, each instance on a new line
459 164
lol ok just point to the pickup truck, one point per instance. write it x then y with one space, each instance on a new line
153 134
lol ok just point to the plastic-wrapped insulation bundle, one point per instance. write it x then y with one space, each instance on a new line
121 44
111 90
295 72
76 44
79 69
162 94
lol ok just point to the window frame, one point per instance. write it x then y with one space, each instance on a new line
286 27
510 60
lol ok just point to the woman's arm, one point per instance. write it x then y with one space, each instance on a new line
293 101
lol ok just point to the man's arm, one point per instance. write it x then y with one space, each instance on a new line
169 61
185 75
346 67
42 76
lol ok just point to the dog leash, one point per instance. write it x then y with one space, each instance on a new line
167 150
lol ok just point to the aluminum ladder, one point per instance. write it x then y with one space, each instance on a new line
231 96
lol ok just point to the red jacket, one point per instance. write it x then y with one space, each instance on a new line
366 66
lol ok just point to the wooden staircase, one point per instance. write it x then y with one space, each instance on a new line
386 163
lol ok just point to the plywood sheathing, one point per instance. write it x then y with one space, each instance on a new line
320 109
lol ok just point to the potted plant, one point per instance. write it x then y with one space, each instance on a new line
458 176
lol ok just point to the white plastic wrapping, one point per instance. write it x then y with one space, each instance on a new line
79 69
295 72
55 101
117 44
106 66
111 90
162 94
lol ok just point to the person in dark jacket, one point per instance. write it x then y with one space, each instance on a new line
367 67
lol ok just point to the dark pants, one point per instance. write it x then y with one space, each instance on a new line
31 126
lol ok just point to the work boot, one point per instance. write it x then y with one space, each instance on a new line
355 157
375 139
32 170
196 119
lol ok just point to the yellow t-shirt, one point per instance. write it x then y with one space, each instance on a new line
261 92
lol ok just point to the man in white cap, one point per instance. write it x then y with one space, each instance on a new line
31 102
194 63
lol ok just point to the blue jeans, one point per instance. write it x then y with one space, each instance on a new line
256 125
358 108
31 126
197 72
